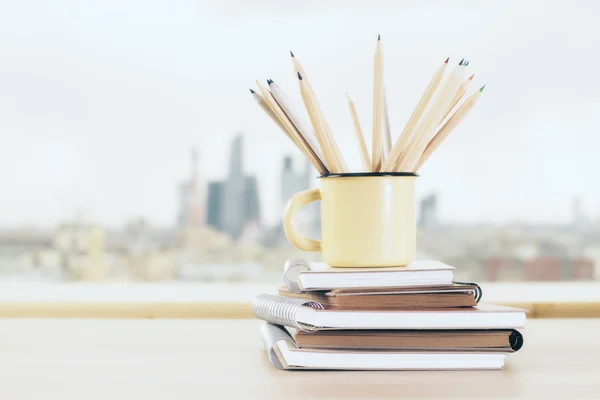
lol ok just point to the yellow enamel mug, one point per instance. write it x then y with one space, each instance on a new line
367 219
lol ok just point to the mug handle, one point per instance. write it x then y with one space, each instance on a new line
297 201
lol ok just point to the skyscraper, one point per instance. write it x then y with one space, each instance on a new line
240 200
428 212
251 200
214 213
191 197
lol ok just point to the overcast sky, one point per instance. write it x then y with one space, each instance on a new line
100 101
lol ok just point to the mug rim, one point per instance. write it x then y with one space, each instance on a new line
366 174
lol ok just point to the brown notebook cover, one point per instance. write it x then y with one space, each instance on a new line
501 340
384 299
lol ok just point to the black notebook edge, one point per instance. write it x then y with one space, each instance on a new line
515 339
478 291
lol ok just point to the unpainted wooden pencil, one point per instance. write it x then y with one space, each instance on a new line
300 123
449 126
292 131
377 136
261 102
360 138
462 90
322 128
387 129
313 115
431 119
399 146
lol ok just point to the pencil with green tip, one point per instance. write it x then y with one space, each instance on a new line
449 126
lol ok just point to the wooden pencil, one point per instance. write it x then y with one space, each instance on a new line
377 147
431 119
462 90
360 139
449 126
399 146
339 159
300 123
321 127
313 115
387 129
261 102
442 106
292 131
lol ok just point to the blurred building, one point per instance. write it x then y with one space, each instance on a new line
27 254
214 209
578 217
428 212
239 196
191 197
82 248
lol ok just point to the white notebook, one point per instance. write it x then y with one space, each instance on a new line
310 316
303 276
284 354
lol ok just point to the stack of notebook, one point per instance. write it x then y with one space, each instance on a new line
412 317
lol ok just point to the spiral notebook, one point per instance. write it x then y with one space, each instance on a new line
284 354
308 315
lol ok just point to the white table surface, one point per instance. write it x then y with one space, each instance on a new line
214 359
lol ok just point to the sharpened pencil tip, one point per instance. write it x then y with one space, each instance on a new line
471 77
269 81
299 76
447 59
461 62
252 91
378 38
291 54
467 63
483 87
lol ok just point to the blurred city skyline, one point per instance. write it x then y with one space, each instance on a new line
101 102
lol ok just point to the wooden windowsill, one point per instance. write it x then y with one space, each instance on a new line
206 300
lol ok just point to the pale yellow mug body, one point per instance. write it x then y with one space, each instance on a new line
367 219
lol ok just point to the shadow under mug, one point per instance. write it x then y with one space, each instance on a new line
367 219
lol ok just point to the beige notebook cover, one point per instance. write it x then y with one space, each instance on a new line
285 354
442 296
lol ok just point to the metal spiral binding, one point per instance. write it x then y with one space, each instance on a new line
282 310
271 334
292 269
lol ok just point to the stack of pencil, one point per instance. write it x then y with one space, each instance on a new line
440 109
